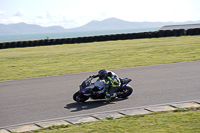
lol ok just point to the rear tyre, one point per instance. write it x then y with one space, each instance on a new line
125 92
79 97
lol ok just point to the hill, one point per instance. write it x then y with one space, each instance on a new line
23 28
118 24
107 24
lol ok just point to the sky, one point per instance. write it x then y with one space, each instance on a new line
75 13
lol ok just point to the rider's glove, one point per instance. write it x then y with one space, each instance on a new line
94 76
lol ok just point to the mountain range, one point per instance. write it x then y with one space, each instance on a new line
107 24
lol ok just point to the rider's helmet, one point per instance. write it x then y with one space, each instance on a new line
102 73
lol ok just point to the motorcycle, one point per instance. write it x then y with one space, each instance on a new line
96 90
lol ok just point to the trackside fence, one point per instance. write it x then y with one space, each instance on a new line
155 34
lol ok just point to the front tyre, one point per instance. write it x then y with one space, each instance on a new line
125 92
79 97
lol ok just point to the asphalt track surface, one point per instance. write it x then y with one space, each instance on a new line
30 100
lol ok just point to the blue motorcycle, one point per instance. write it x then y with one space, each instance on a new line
96 90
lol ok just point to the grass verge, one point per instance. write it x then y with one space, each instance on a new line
19 63
179 120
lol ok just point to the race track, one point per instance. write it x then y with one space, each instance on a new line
29 100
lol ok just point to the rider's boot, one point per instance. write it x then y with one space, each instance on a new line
108 97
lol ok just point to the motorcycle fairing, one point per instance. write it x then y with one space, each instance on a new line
124 82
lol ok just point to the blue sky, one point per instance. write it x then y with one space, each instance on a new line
75 13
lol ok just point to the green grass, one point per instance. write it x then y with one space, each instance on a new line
178 121
19 63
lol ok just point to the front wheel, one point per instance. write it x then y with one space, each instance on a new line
79 97
124 92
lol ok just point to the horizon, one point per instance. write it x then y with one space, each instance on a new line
192 22
72 14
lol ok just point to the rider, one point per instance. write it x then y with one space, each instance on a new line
112 82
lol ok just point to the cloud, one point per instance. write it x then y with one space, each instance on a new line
16 18
60 18
20 13
2 12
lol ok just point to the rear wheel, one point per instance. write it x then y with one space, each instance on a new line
125 92
79 97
